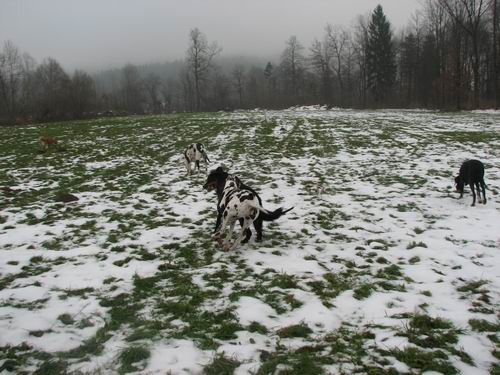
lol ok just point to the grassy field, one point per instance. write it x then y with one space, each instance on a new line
378 269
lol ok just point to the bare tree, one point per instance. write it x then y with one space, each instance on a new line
292 67
199 61
131 87
82 93
349 70
27 101
320 60
360 46
53 87
468 14
255 87
152 84
239 82
10 77
168 91
437 20
495 43
221 91
187 91
338 40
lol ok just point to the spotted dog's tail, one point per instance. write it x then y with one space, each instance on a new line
273 215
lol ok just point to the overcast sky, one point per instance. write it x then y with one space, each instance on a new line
102 33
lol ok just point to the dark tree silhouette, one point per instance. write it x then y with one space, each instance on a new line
381 66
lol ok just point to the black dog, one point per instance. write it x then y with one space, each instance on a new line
217 180
471 172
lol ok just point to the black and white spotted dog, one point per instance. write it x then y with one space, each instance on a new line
193 154
216 180
236 204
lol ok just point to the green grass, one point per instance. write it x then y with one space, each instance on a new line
414 260
346 347
414 244
434 340
363 291
467 136
428 332
297 330
133 358
66 319
221 365
257 327
425 361
284 281
90 347
294 364
482 325
472 287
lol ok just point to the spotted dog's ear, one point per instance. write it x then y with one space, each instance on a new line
220 169
238 182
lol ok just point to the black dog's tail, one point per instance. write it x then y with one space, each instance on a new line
273 215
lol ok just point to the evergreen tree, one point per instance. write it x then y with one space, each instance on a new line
381 66
268 71
271 82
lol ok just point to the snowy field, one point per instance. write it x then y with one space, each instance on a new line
378 269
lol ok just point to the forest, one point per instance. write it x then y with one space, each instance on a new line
446 57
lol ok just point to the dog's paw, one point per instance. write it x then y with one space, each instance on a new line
227 246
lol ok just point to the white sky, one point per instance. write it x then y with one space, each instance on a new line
101 33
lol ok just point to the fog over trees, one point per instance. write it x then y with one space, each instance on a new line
447 57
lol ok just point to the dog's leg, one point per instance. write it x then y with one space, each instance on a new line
248 232
230 231
484 191
246 224
218 234
258 227
217 223
473 194
248 235
226 246
197 162
479 200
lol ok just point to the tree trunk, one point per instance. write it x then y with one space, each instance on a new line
495 55
475 68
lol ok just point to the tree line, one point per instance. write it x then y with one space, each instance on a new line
447 57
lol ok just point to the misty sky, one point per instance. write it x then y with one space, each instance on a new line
103 33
